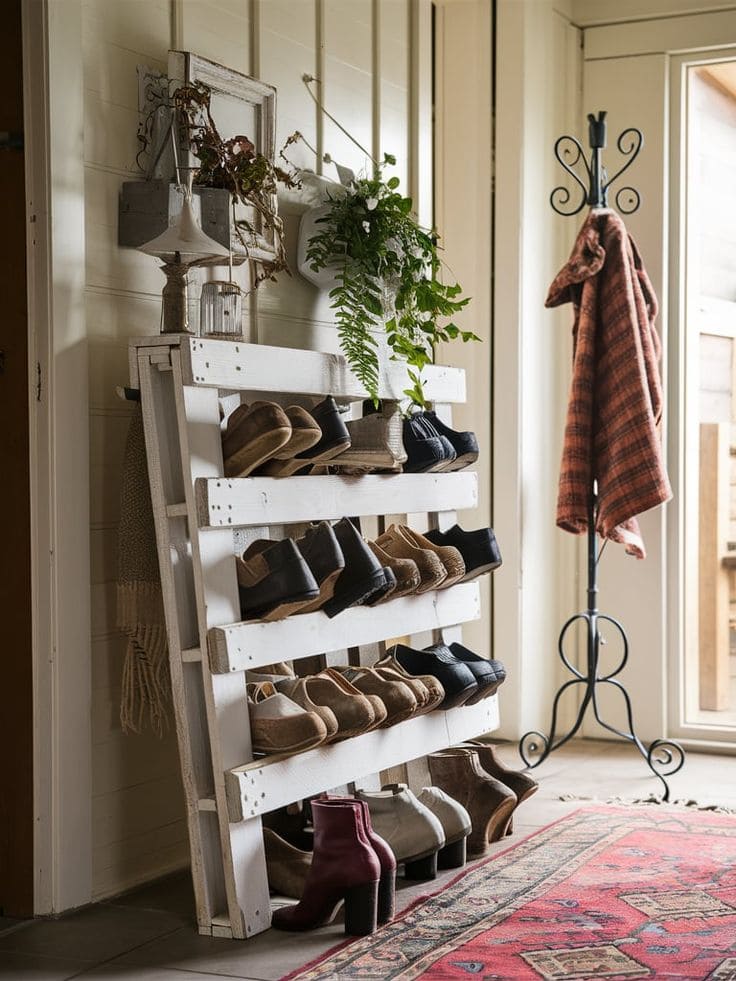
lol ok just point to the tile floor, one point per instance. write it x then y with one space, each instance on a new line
148 934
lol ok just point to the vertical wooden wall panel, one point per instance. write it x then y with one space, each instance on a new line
394 47
347 83
463 219
287 42
218 30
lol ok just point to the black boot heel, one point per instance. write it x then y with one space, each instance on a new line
422 868
361 908
510 826
454 855
386 897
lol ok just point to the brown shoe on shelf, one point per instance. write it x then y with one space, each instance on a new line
448 555
305 433
416 686
407 575
278 725
376 445
297 689
287 866
380 712
353 712
321 551
273 581
278 667
433 685
259 676
489 802
432 571
253 434
395 694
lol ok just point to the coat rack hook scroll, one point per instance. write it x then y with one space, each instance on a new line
594 184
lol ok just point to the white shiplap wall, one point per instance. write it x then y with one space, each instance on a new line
137 803
361 49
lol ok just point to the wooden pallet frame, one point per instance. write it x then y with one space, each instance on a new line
195 511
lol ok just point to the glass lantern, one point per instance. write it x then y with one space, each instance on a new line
221 310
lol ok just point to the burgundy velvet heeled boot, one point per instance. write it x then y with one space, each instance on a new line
387 884
344 867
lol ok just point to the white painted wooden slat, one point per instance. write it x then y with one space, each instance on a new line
258 367
246 501
242 646
258 788
241 848
159 424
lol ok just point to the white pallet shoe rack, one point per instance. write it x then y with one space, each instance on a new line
196 513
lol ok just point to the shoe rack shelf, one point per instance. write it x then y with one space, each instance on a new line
270 500
241 646
254 789
258 367
197 513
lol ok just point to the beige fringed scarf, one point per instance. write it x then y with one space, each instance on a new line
146 681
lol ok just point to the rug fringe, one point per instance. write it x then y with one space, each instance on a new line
652 799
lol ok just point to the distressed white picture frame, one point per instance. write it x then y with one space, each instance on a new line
259 125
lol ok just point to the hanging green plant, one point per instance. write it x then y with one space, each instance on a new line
388 279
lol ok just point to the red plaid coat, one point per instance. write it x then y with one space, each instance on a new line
615 407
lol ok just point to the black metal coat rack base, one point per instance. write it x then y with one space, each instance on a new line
663 756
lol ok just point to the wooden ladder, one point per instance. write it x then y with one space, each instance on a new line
197 514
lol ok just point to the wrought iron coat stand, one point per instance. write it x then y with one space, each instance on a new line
664 756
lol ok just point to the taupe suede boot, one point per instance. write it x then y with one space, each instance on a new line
287 866
489 802
521 783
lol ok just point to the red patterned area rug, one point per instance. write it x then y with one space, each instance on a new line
606 892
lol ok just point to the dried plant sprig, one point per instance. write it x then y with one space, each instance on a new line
235 165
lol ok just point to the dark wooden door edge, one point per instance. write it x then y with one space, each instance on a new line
16 690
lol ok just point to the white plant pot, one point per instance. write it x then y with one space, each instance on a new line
326 278
315 190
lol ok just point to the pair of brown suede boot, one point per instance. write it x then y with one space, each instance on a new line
490 791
